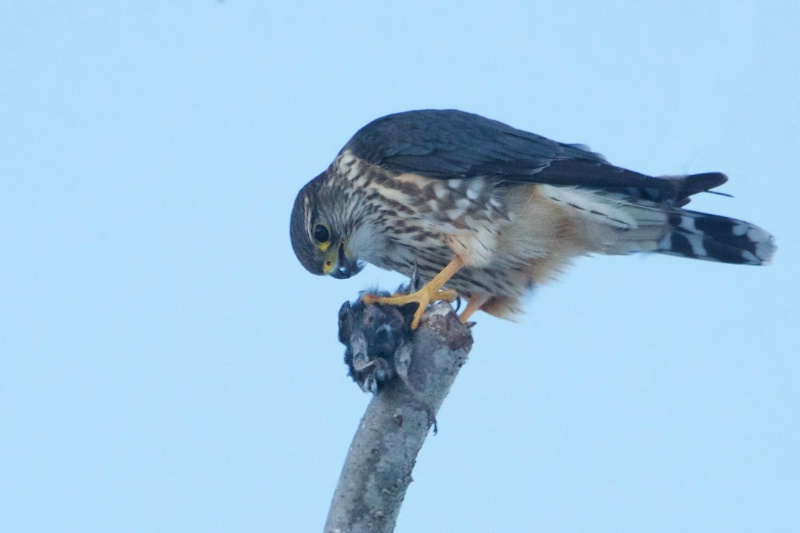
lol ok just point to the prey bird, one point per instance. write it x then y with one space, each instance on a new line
484 211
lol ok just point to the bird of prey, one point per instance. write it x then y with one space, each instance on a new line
484 211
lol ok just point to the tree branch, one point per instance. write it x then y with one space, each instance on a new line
377 470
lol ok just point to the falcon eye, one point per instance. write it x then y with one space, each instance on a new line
321 234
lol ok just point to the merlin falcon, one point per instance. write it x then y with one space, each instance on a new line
481 210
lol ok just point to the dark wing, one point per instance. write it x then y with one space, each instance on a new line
449 144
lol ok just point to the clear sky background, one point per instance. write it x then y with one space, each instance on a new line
167 365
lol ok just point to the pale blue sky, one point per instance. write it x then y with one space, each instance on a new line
167 365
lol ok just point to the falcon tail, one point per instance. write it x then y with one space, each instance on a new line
716 238
673 230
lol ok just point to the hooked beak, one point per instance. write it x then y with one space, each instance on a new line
345 267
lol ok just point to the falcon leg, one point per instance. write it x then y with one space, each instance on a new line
430 292
475 302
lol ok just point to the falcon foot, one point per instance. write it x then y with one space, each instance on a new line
429 293
423 298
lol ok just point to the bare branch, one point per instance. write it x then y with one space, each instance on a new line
378 467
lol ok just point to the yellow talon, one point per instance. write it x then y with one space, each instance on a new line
423 297
430 292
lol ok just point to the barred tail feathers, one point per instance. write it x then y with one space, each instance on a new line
716 238
617 224
692 234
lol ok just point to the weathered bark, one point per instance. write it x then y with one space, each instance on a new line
377 470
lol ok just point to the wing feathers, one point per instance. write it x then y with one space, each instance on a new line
451 144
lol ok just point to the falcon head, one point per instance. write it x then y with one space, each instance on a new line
319 236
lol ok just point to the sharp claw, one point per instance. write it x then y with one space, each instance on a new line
430 292
421 297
